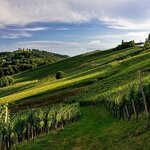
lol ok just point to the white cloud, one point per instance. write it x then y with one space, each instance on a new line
63 29
116 14
8 35
31 29
120 23
23 12
95 42
19 32
137 36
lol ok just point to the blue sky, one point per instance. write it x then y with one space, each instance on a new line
72 26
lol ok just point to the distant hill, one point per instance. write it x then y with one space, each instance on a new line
22 60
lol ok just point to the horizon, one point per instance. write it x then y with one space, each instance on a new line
72 27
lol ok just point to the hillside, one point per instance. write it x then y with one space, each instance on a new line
22 60
112 80
112 69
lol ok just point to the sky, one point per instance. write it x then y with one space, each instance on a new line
72 27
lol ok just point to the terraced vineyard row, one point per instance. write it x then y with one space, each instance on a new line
28 124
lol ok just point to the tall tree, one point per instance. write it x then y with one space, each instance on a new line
149 37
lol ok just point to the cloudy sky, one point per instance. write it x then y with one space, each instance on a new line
72 26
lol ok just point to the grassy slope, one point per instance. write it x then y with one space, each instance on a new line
97 130
111 68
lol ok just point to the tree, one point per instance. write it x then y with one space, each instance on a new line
59 75
1 73
146 45
147 42
10 80
5 81
149 37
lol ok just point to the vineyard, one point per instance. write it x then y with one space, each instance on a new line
114 81
96 130
123 102
26 125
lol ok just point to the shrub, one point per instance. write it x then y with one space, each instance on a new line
10 80
147 45
5 81
59 75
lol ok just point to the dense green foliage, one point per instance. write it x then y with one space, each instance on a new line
25 125
96 130
22 60
6 80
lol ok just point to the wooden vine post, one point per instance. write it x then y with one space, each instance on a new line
133 104
7 139
144 98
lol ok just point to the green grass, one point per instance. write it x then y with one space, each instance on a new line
96 130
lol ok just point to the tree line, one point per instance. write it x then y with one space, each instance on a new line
22 60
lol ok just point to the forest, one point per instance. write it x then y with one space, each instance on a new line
25 59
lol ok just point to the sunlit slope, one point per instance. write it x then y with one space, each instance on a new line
78 64
110 68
